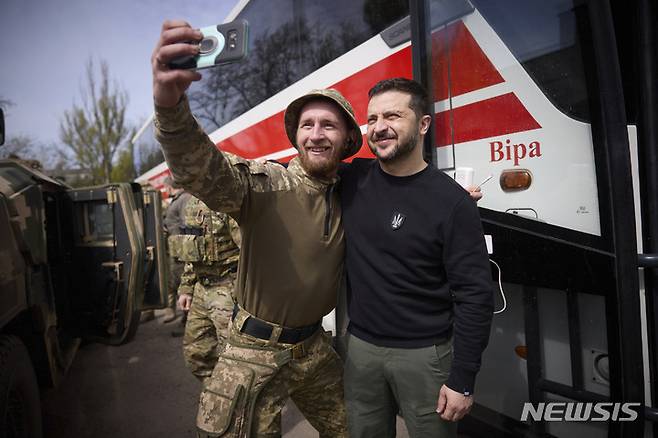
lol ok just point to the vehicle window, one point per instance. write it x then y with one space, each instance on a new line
17 179
95 222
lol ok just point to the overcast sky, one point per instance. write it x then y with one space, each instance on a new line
45 45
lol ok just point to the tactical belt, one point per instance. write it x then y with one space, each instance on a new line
263 330
208 280
195 231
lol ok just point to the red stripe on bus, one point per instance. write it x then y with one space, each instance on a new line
162 174
263 138
499 115
269 136
355 87
470 69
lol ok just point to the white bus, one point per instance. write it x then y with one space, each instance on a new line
557 99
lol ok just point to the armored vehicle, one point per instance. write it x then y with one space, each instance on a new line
75 265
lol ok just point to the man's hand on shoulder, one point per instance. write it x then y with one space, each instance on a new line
452 405
169 85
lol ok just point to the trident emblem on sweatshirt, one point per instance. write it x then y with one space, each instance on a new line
397 220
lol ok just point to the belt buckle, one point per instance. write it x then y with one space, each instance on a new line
298 350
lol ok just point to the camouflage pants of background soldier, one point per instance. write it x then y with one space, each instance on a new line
207 325
254 378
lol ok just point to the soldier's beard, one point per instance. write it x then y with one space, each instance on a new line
320 167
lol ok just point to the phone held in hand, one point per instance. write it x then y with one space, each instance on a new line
221 44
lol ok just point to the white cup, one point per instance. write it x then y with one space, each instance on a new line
464 176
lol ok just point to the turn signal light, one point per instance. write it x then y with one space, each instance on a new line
521 351
514 180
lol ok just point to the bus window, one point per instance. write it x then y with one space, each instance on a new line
549 39
289 39
544 37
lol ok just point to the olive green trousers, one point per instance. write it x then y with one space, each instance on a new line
381 381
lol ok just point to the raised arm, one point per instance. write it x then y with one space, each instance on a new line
194 161
170 85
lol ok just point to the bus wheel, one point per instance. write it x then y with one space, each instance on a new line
20 409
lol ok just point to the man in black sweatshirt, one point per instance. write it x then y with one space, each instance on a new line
419 285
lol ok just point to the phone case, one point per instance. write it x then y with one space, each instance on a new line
221 44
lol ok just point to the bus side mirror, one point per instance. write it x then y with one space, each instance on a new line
2 127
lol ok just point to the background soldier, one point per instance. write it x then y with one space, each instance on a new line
173 222
209 246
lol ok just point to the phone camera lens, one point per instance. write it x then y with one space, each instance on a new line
232 39
207 45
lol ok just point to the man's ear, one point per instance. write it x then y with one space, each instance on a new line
425 123
351 139
355 137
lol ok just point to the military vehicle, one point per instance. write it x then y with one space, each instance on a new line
75 265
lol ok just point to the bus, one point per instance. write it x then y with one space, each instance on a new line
557 101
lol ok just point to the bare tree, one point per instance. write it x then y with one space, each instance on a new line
150 155
21 146
124 169
97 129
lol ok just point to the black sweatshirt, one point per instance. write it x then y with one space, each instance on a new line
417 265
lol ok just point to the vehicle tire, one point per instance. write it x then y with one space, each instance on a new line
20 408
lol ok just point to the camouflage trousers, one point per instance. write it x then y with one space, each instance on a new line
207 326
254 378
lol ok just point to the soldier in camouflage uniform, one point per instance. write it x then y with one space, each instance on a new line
173 221
291 258
208 243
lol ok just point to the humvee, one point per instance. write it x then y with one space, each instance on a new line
75 265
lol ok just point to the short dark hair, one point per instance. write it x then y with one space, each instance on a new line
419 102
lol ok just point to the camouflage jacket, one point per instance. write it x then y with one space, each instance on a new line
291 261
208 243
173 220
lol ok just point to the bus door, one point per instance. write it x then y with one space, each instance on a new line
535 94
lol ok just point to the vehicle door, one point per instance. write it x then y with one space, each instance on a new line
155 267
109 252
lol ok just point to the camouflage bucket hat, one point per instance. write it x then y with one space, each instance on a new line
292 117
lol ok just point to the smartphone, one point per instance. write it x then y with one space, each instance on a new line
221 44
